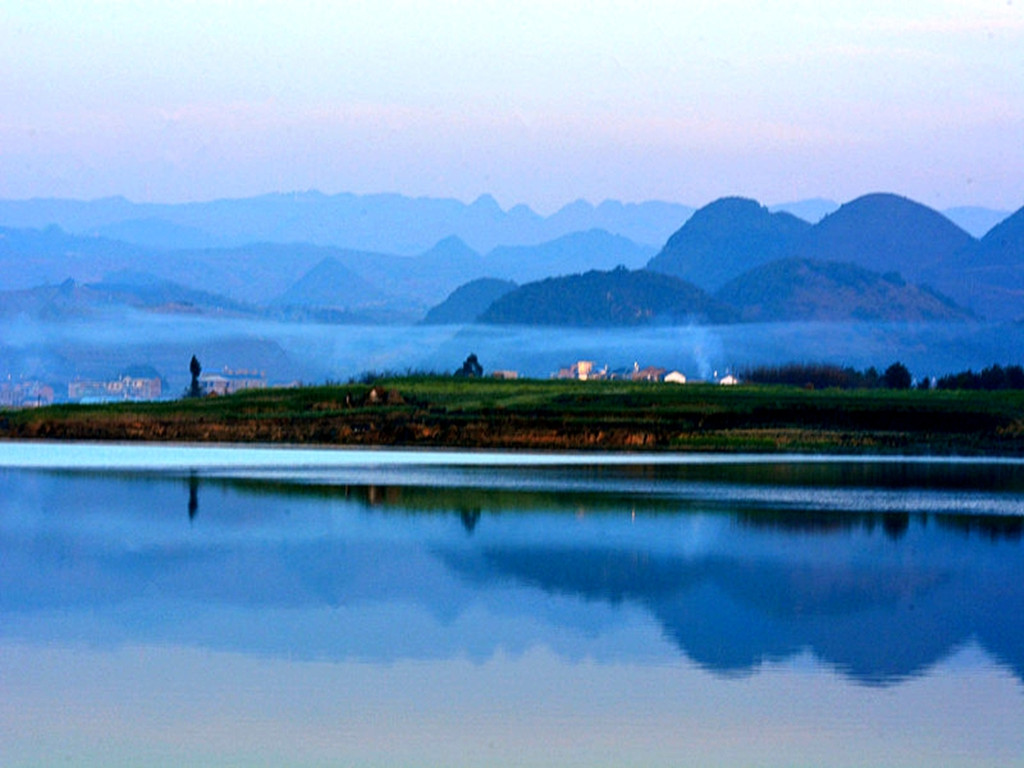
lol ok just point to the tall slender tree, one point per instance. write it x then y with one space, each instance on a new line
195 368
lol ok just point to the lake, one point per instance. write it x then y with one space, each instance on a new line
218 606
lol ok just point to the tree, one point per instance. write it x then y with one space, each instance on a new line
471 368
871 378
195 369
1015 377
897 376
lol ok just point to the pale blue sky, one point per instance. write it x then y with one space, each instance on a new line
539 103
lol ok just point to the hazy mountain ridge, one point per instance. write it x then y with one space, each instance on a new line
389 223
35 257
990 273
879 232
975 220
1003 245
885 232
302 274
330 284
806 290
724 239
572 253
467 302
619 297
158 234
786 290
69 299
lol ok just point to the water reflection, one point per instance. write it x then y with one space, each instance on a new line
193 495
316 570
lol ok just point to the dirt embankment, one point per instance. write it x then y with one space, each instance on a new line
357 429
401 429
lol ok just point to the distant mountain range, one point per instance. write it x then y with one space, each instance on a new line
880 256
330 285
724 239
70 300
469 301
804 290
786 290
882 233
989 274
974 220
601 299
367 285
572 253
387 223
885 232
384 223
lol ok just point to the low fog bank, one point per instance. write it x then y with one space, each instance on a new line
103 346
701 351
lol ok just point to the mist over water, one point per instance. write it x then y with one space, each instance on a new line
104 344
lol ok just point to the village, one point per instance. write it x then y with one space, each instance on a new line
143 383
587 370
135 384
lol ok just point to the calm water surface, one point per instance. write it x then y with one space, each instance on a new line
208 607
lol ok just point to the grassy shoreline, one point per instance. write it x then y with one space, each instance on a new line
559 415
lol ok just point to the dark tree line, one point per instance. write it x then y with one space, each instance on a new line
826 376
896 376
992 378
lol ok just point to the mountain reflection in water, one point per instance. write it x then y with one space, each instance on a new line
733 575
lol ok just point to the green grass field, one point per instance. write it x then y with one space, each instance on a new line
442 411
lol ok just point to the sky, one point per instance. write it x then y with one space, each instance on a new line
540 103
